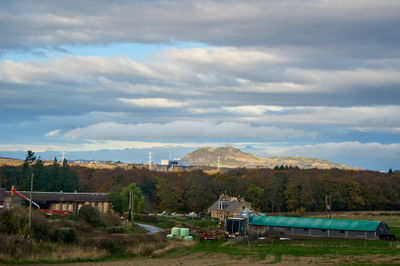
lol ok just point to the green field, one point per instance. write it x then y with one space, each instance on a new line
318 250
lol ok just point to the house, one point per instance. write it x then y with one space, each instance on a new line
227 206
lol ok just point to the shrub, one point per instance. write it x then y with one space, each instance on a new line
170 224
111 219
66 235
13 221
91 215
40 226
115 230
84 227
146 218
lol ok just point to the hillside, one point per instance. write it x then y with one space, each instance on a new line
231 157
10 162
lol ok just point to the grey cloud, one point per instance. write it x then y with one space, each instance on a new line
187 131
352 27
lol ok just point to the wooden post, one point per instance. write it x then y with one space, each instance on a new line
30 204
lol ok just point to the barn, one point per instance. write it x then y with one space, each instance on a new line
319 227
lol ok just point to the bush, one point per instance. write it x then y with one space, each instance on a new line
13 221
111 219
170 224
66 235
146 218
115 230
40 226
91 215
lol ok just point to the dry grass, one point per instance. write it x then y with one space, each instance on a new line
15 249
52 252
173 245
11 162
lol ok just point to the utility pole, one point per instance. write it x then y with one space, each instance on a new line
30 204
150 160
219 162
130 206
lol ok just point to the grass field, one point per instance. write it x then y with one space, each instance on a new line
308 251
151 250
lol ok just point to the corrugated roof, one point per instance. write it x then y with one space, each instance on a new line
334 224
65 196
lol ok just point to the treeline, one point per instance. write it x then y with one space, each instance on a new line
54 177
269 190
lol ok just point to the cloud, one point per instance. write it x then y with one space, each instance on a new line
344 150
185 131
254 109
53 133
153 102
379 118
317 23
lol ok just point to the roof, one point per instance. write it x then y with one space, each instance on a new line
226 204
334 224
65 196
229 205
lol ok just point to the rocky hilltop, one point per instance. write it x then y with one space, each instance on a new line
231 157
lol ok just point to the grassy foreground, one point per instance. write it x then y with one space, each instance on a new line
110 245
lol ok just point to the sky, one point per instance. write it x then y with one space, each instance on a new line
113 80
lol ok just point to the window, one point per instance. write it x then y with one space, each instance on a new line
305 229
323 230
342 231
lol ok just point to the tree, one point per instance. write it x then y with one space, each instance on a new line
116 202
390 172
30 157
254 195
138 199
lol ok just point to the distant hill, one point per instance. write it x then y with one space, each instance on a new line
11 162
231 157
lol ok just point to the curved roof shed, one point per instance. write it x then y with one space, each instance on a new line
317 223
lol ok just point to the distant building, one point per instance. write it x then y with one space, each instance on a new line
227 206
177 162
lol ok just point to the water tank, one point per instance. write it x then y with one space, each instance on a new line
246 213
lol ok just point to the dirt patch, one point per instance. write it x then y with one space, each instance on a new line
201 259
339 260
195 259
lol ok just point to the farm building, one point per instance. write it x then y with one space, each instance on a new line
58 201
227 206
320 227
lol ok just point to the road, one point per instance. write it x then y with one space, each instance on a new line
151 229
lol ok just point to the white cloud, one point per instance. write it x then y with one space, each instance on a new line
31 147
153 102
344 150
186 130
357 117
254 109
53 133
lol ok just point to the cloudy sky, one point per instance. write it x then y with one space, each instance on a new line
319 78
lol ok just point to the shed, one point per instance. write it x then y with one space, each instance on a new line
321 227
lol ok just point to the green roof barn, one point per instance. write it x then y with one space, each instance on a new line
321 227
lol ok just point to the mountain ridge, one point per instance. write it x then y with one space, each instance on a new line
231 157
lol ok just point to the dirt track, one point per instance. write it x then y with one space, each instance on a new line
200 259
